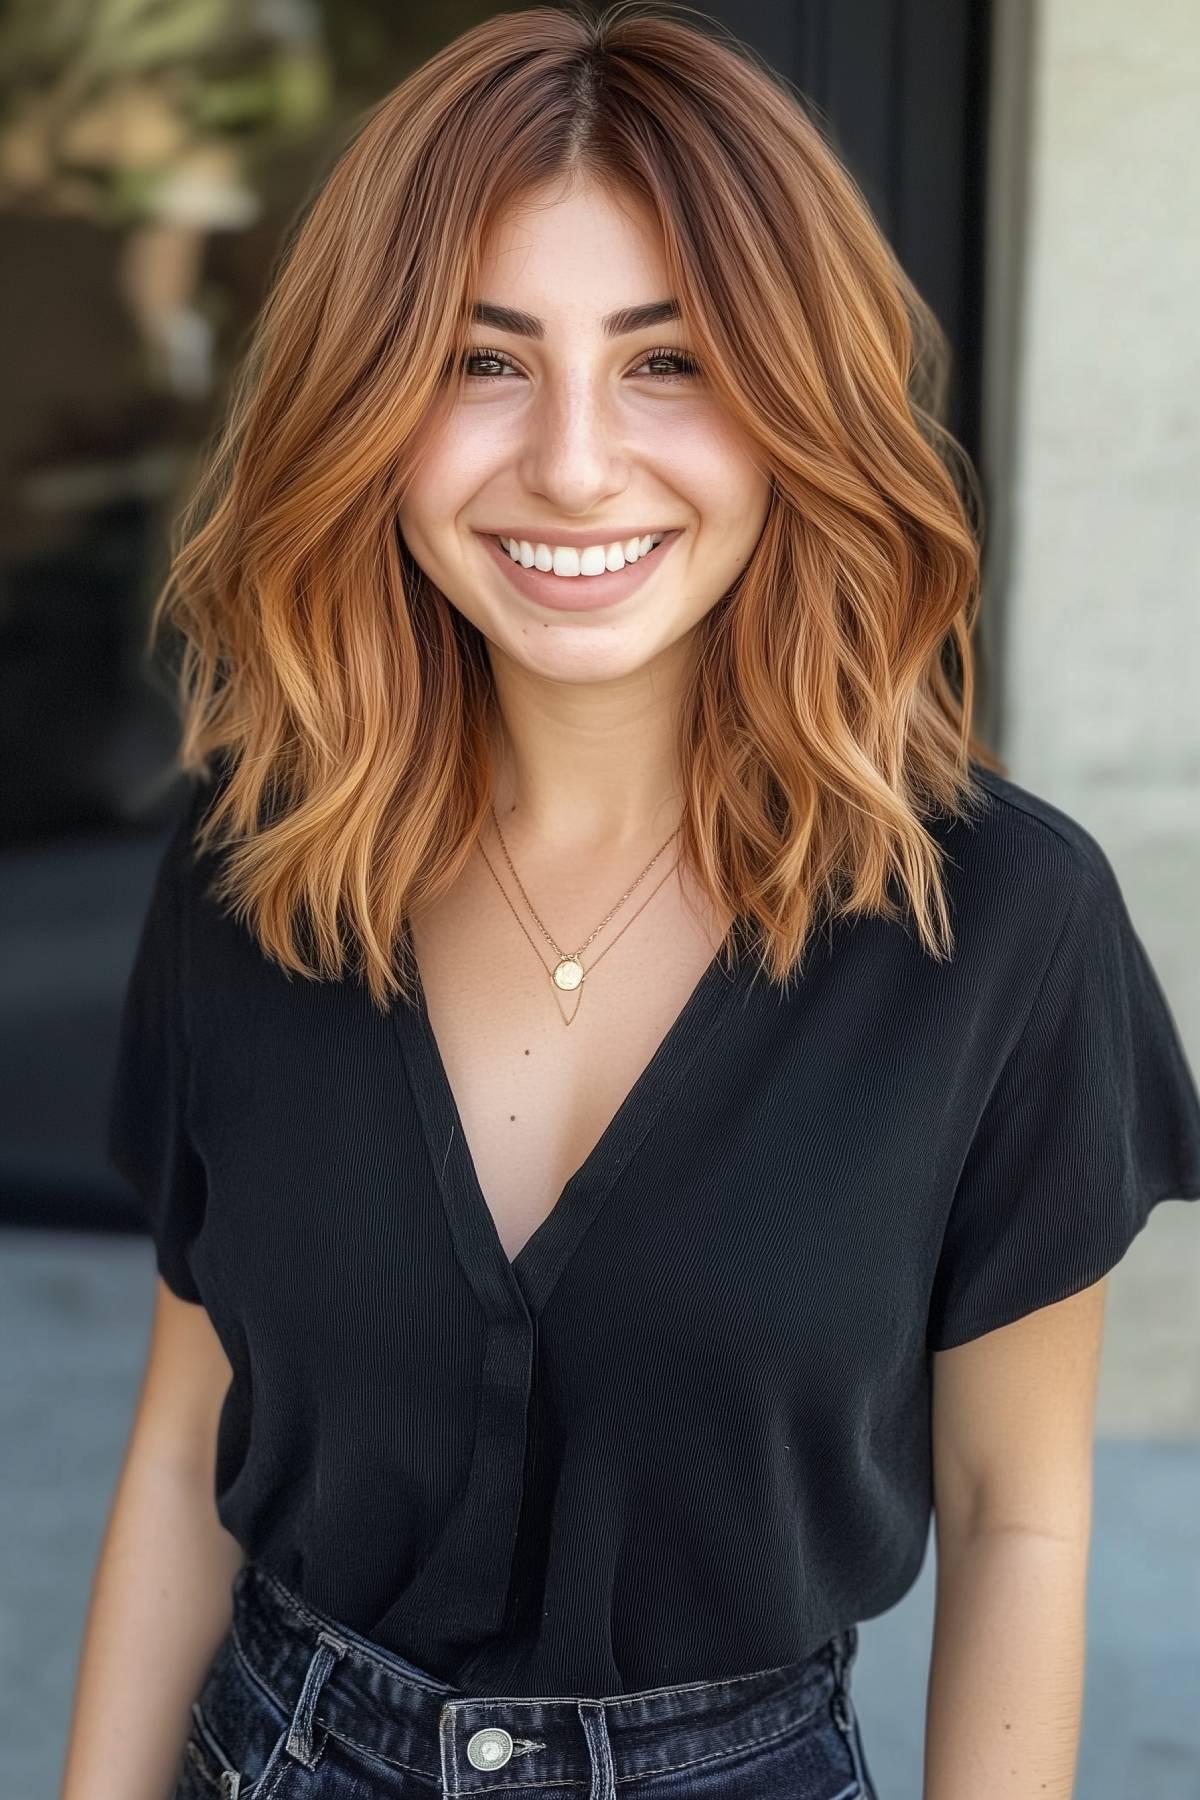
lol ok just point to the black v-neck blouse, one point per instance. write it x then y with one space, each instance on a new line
685 1432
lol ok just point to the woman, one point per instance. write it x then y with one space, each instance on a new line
579 584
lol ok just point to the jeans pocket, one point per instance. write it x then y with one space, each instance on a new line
237 1739
204 1766
846 1719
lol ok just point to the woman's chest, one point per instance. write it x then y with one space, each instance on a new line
537 1074
738 1171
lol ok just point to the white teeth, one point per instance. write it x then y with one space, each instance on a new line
594 560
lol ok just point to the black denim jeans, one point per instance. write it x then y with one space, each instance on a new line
297 1707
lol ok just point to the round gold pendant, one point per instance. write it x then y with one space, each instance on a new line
567 972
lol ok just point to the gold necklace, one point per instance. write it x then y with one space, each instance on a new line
568 972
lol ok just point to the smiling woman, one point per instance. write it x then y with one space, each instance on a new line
569 292
577 445
580 1398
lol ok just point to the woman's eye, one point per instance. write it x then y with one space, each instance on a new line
492 356
681 367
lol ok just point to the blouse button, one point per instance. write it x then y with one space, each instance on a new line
489 1749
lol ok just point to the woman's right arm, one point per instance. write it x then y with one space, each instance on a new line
161 1593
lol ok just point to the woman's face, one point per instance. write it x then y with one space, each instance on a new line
567 430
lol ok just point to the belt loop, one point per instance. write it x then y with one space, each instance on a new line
595 1730
300 1733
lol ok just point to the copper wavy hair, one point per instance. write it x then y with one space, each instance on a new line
350 706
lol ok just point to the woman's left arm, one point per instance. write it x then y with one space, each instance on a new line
1013 1418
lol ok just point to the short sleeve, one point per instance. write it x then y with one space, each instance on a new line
147 1131
1094 1119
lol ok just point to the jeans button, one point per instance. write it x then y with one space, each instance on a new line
489 1749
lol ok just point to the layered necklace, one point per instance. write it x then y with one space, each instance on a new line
568 973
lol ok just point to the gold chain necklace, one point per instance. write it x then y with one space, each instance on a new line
568 972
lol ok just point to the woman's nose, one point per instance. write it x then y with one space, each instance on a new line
574 449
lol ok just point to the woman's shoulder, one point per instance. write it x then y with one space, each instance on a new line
185 866
1032 861
1026 815
204 922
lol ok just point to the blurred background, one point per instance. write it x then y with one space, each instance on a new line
1036 164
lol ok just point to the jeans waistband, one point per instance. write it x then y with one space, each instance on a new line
331 1680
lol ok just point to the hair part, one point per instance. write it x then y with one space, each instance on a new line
349 707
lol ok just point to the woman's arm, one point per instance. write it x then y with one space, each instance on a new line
1013 1424
160 1600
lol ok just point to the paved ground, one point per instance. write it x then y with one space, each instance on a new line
74 1311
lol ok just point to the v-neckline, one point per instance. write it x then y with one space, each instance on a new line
545 1253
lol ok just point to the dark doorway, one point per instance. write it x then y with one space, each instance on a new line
901 89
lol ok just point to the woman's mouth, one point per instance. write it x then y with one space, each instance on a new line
578 591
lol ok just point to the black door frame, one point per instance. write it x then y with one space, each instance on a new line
901 88
926 102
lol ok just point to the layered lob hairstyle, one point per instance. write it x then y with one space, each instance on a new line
347 706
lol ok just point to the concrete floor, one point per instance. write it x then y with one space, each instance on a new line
74 1315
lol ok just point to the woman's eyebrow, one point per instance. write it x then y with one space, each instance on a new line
615 324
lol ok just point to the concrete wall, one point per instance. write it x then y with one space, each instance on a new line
1101 661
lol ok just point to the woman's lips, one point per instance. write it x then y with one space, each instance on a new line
578 593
